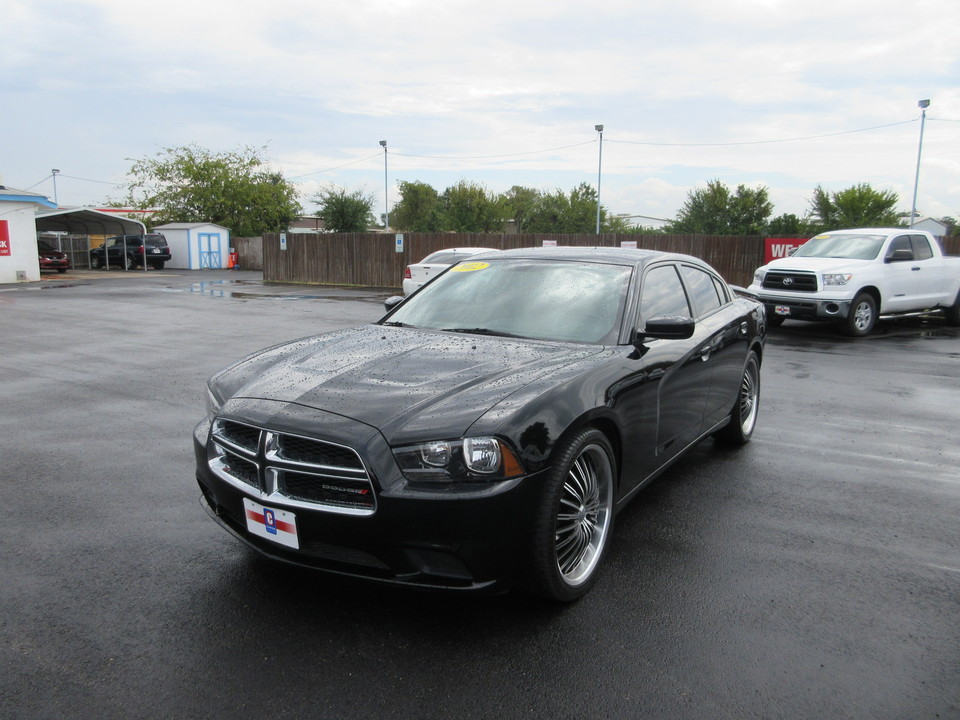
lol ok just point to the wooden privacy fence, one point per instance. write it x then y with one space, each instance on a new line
371 259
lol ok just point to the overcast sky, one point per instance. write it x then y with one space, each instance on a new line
785 94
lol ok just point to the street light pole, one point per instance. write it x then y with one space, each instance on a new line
599 129
923 105
386 209
55 173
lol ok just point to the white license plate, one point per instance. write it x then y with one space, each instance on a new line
782 310
276 525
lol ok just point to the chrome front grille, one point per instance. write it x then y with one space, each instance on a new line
291 469
790 280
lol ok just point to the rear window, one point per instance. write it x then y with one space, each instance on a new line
156 240
446 257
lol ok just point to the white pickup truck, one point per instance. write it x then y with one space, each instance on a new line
855 276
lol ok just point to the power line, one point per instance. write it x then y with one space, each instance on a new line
762 142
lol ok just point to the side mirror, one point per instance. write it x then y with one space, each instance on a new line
391 302
667 327
102 245
900 255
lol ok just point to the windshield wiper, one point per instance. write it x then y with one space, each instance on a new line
396 323
480 331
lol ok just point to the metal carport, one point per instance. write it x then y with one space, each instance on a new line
85 221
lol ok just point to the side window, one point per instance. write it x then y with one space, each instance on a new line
921 248
901 249
663 294
722 291
703 293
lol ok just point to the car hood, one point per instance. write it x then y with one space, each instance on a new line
817 264
409 383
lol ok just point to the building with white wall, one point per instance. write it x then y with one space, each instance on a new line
19 259
196 246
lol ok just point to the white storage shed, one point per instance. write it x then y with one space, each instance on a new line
197 246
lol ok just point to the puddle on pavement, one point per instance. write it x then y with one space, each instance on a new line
223 289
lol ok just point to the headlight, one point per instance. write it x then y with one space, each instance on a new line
758 276
480 459
213 403
836 278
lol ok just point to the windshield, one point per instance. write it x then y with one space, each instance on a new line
545 300
853 247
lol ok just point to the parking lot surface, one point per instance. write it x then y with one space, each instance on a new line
814 573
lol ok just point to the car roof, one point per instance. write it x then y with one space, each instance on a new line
628 256
869 231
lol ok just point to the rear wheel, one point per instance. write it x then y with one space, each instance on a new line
129 263
95 262
157 265
573 522
952 313
743 416
862 317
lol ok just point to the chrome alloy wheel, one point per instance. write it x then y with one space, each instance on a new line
584 514
749 395
863 316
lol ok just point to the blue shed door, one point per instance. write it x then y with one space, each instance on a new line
211 257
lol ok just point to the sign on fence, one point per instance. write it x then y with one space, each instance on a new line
776 248
399 242
4 238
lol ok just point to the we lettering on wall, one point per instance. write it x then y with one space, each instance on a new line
776 248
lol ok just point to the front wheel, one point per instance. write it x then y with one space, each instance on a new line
573 523
743 416
863 316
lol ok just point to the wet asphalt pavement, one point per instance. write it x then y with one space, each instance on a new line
814 573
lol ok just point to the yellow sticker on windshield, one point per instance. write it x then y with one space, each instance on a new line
822 237
470 267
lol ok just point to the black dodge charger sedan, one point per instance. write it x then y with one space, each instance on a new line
486 431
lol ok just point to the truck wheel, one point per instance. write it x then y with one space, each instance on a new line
94 262
743 416
129 263
952 313
862 317
574 519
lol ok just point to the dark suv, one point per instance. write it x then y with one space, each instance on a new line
128 251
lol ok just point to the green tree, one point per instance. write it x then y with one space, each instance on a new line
520 203
558 212
857 206
714 210
468 207
786 224
344 212
418 209
233 189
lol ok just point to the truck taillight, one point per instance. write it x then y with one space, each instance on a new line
140 250
406 274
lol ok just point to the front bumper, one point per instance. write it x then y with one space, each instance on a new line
452 537
798 307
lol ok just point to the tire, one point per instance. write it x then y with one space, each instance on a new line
574 519
95 263
743 415
862 317
129 263
952 313
157 265
61 270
